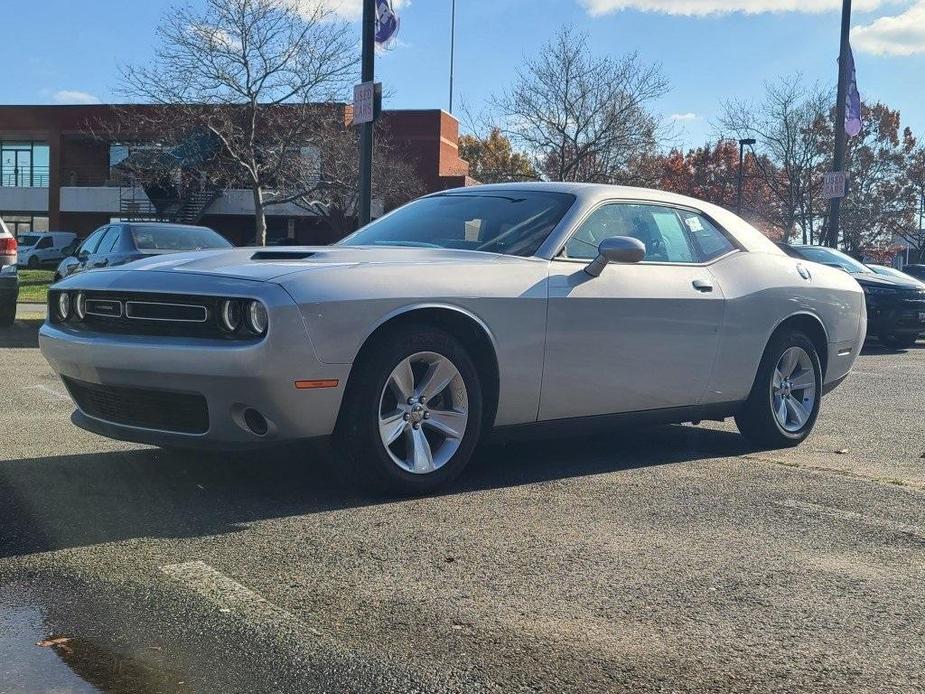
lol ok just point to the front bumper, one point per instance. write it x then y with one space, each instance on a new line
898 317
232 377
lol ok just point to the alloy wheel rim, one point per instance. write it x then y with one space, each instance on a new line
793 389
423 412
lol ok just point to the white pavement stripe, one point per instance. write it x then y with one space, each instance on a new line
230 596
48 391
853 516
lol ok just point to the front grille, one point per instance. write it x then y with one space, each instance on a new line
185 413
142 313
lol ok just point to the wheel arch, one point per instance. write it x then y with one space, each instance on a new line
465 326
813 327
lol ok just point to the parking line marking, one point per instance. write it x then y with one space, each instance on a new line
229 595
48 391
854 516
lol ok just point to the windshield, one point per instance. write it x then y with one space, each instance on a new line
508 222
28 239
179 238
829 256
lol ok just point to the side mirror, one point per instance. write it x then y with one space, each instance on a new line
617 249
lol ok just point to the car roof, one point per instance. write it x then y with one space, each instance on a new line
165 225
584 191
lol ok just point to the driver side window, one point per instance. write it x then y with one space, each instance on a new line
664 232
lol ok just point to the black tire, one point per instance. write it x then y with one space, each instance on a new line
33 263
756 421
7 316
357 438
899 341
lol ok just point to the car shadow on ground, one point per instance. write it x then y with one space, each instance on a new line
59 502
23 334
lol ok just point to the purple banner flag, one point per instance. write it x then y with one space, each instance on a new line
387 22
853 100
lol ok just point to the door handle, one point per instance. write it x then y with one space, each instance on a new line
705 286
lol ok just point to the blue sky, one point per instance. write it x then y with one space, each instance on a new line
67 52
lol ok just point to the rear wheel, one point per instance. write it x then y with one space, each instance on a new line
784 403
412 413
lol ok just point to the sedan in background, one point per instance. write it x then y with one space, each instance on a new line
123 242
895 306
9 279
917 271
892 272
501 307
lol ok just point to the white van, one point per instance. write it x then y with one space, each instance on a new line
43 248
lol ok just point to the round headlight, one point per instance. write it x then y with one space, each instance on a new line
230 315
80 306
64 305
256 317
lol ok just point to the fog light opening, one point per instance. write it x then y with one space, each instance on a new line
256 422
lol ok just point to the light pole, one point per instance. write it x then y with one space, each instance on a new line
368 65
742 143
841 139
452 49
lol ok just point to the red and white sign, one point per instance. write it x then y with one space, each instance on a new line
364 103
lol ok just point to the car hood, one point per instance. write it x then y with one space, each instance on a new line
270 264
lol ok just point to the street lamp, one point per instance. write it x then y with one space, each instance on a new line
742 143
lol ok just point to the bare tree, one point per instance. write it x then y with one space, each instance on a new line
790 126
582 118
250 74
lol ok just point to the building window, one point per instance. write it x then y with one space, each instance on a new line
24 223
23 164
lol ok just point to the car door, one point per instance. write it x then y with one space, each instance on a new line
43 251
87 251
640 336
101 256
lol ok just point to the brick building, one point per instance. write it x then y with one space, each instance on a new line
56 175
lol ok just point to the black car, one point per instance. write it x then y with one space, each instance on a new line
9 279
895 308
123 242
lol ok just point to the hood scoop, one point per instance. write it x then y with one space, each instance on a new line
282 255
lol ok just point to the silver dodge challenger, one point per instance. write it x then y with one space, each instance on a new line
495 308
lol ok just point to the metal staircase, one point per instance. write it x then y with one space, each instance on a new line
187 210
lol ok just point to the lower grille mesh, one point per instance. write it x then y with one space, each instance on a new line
186 413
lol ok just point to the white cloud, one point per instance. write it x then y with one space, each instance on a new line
902 34
72 96
707 7
683 116
350 10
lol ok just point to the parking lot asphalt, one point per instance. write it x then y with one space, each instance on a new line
670 559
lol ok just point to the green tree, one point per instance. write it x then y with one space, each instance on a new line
492 159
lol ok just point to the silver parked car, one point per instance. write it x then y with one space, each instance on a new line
489 308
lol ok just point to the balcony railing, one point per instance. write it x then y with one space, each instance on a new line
23 176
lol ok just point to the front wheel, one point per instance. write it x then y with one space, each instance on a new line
784 403
412 413
33 263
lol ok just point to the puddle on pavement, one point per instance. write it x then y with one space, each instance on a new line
36 658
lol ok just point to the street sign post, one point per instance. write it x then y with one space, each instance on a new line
834 186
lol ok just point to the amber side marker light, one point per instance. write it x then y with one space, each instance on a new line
310 385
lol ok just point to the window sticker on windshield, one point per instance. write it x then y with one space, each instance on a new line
694 224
